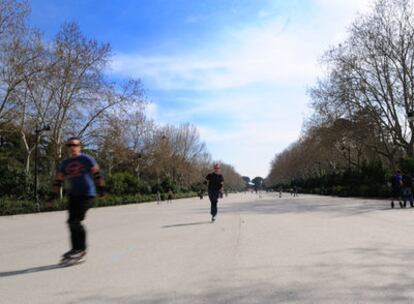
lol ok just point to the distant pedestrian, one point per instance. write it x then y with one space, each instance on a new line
396 182
170 196
215 183
406 191
201 194
158 197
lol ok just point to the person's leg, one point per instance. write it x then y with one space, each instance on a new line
213 196
87 202
394 196
78 233
72 210
410 196
214 208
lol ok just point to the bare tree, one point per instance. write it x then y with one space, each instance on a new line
373 70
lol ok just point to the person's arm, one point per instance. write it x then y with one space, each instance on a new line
58 183
222 184
99 180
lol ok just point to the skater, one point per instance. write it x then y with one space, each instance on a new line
80 170
215 183
406 191
395 181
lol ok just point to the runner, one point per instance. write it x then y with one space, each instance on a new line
215 186
80 170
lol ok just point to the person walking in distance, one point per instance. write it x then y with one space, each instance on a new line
396 181
170 196
215 186
406 189
80 170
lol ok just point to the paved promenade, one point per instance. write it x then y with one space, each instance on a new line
308 249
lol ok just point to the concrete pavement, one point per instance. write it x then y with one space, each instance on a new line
309 249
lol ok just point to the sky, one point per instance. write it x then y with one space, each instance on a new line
239 70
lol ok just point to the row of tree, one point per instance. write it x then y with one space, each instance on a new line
63 84
361 107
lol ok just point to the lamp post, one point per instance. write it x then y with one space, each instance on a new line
36 195
410 116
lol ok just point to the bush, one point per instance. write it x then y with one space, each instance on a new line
168 184
368 180
407 164
14 183
9 206
125 184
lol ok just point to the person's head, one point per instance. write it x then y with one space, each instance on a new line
73 145
398 172
216 168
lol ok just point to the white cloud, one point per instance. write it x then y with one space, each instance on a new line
253 56
269 53
151 110
272 55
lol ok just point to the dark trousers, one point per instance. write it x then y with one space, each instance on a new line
213 196
407 195
78 205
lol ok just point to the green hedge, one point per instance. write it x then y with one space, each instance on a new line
376 190
11 206
368 181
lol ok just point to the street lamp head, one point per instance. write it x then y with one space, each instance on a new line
410 115
45 128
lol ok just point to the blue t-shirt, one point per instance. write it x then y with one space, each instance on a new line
396 181
78 172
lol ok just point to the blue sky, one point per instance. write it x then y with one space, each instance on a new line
237 69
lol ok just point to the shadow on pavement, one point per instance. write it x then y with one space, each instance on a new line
186 224
30 270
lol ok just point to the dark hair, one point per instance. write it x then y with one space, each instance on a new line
73 138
